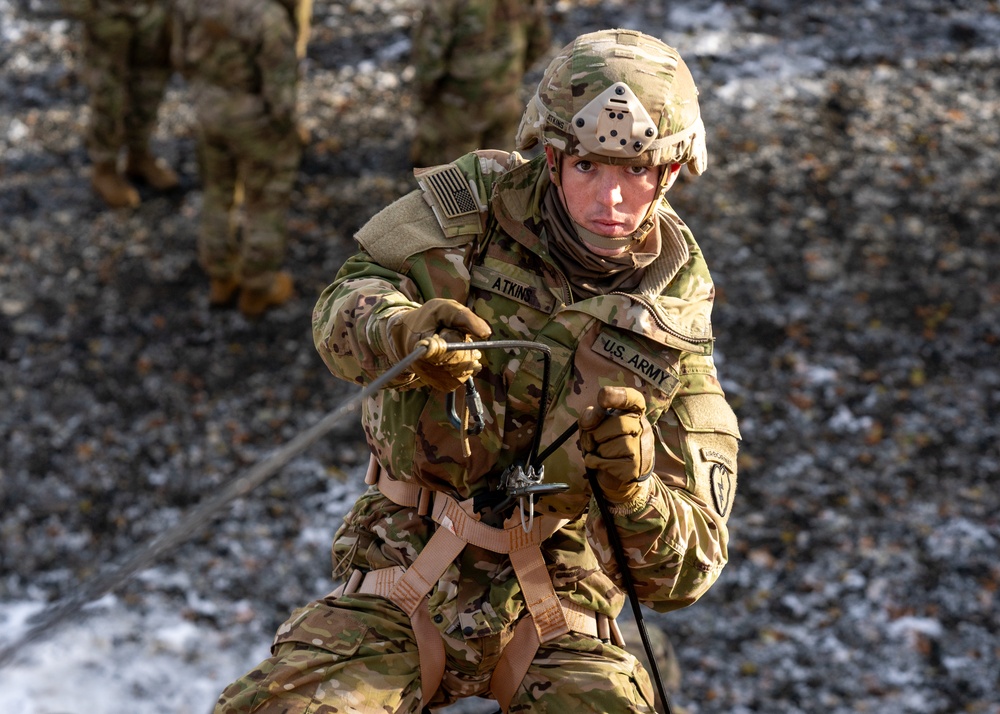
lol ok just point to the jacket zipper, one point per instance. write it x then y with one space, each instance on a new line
648 304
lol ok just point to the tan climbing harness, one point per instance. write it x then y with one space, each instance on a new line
458 525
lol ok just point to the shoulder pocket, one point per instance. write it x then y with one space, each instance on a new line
707 412
402 229
710 445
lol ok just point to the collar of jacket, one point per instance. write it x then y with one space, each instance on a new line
673 308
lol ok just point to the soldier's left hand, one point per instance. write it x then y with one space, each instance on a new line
617 442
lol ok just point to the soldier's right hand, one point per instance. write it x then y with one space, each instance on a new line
439 321
617 442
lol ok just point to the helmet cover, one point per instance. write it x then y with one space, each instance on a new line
618 97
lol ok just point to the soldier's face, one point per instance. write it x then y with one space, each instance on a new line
607 200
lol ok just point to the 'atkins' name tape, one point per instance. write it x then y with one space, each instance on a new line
536 296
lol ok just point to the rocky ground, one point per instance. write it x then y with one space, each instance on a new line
850 218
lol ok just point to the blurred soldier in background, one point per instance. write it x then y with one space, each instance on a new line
470 58
127 66
240 58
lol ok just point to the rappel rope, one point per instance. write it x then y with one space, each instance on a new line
197 518
633 597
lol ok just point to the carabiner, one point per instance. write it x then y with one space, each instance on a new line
473 402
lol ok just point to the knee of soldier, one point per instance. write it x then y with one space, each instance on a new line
290 682
581 673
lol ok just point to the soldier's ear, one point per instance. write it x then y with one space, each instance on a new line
672 172
552 160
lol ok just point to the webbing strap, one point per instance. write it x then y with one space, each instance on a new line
441 550
522 547
516 657
520 652
549 617
430 653
379 582
513 663
539 595
430 647
450 515
399 492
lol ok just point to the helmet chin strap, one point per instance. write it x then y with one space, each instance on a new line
668 174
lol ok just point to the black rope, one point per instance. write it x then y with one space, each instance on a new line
633 598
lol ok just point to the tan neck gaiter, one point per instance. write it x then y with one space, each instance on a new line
588 273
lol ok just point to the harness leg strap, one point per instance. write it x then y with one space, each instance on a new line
409 593
549 617
514 662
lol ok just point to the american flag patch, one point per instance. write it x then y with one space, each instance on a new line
451 191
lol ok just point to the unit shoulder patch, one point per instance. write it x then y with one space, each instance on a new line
721 484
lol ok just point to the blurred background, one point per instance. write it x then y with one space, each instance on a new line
850 218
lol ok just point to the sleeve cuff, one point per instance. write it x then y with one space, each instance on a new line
636 503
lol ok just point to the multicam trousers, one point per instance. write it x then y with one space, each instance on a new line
450 126
127 69
244 151
357 654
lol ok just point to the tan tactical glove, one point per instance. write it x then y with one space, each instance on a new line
451 321
617 443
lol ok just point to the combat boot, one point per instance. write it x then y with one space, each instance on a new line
305 136
112 186
155 172
222 291
253 303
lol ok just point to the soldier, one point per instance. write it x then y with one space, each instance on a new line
127 57
470 58
240 58
457 584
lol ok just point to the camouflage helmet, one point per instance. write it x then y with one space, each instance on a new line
618 97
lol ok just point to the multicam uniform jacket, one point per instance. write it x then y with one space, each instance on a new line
470 58
473 234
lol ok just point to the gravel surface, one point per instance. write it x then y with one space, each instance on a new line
850 216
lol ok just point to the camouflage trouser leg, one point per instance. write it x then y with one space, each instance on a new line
107 46
361 660
218 243
358 655
127 69
148 78
449 127
580 674
252 151
270 172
